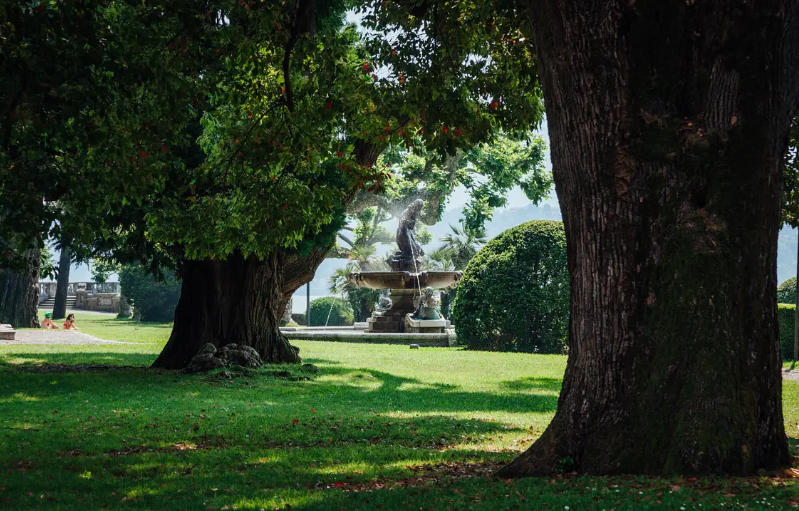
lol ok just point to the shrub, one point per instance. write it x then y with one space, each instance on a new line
300 318
151 300
786 293
514 294
338 310
787 316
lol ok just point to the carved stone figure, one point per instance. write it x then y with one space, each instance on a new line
409 249
384 302
428 306
406 239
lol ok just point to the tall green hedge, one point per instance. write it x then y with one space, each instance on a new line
514 295
338 310
787 316
151 300
786 293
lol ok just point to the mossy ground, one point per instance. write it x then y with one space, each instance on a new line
379 427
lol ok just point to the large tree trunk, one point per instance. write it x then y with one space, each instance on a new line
19 293
668 121
62 284
236 301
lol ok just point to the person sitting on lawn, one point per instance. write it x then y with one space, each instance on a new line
47 323
69 324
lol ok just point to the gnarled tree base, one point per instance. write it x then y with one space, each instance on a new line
236 301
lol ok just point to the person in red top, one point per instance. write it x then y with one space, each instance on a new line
69 323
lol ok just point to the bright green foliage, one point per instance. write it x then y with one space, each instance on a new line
285 106
468 64
152 300
457 248
488 171
47 266
331 311
786 293
360 240
787 317
514 295
102 269
492 170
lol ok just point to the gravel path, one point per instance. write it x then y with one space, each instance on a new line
36 336
787 374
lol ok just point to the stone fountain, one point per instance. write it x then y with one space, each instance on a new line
409 305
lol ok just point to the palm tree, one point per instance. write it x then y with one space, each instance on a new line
460 245
362 300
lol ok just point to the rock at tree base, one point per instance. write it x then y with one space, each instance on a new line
243 356
209 358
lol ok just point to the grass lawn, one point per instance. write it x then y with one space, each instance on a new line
378 427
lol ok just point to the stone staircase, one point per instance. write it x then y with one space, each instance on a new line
48 304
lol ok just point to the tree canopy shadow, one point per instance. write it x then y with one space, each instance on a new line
75 359
533 383
363 389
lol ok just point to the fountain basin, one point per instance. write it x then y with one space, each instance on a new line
405 279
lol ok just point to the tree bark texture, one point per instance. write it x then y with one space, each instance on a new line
669 122
19 293
236 301
62 284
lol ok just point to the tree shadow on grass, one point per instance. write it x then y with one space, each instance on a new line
363 389
190 475
533 383
110 358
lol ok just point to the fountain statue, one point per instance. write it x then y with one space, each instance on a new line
428 306
409 256
406 303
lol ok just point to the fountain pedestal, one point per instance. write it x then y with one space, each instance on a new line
426 326
393 319
404 287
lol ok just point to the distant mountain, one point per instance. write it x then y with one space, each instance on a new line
503 220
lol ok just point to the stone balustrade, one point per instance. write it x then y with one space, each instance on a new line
88 295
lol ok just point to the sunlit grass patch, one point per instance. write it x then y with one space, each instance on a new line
378 427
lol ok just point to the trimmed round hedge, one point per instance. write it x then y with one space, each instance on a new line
786 293
514 294
787 318
339 310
